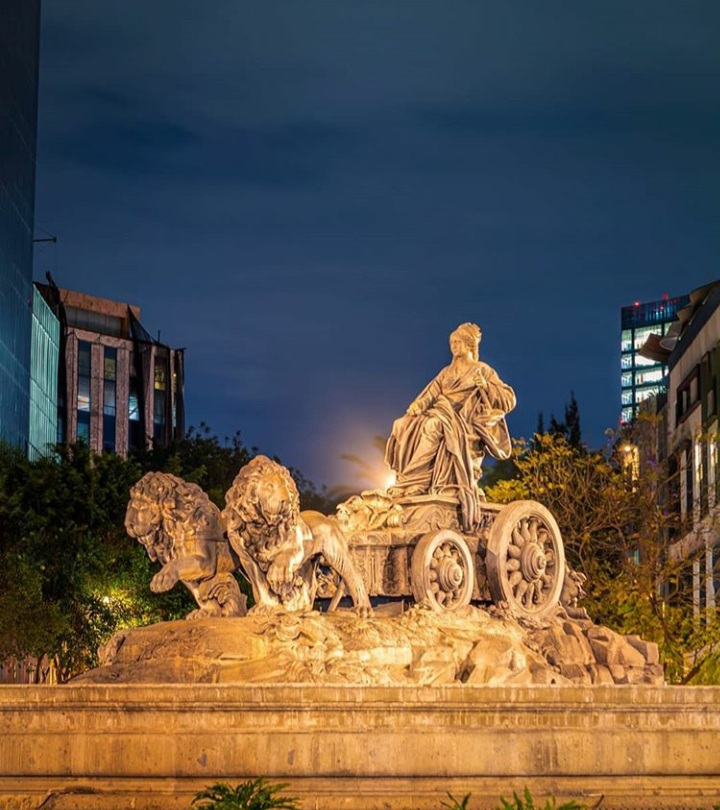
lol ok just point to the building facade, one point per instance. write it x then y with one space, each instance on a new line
44 360
118 388
19 41
693 434
643 376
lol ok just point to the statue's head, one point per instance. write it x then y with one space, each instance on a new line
466 338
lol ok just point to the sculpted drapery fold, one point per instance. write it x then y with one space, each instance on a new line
439 445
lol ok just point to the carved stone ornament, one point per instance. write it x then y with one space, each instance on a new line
181 528
438 446
431 539
279 546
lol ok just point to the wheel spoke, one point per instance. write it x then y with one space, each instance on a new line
521 590
532 528
514 578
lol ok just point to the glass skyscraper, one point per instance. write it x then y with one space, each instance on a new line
19 42
642 377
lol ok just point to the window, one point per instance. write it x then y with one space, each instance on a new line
689 477
626 379
645 393
687 395
651 376
109 398
83 390
626 343
626 361
160 399
641 335
700 485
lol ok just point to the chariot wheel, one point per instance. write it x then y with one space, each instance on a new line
441 570
525 559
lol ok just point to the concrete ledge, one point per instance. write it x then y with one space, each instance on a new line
359 747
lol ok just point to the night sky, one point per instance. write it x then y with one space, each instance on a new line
310 195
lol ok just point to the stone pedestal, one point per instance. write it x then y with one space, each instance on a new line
359 747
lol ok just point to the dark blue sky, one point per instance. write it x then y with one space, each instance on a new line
310 194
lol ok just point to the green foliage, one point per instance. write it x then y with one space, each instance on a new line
526 802
256 794
69 574
455 804
616 526
202 458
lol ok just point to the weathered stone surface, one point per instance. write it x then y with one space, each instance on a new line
648 649
149 746
421 647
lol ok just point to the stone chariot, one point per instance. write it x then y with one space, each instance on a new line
513 556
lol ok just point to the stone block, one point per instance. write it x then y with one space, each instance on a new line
600 675
648 649
576 673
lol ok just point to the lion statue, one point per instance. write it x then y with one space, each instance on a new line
181 528
279 547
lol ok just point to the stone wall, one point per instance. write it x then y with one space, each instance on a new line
357 747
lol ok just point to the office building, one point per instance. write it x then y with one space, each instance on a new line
19 41
641 376
693 432
44 359
691 441
118 388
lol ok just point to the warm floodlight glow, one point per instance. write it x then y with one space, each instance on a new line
390 479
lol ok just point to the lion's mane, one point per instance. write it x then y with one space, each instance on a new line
244 517
178 506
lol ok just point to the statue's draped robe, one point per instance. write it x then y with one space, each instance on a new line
459 422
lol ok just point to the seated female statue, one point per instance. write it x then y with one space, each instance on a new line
439 445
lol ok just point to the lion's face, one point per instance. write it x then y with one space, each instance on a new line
143 516
152 499
272 499
263 501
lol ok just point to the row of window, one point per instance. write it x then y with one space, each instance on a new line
109 409
632 360
629 378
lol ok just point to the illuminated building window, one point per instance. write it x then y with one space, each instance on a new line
109 398
645 377
83 390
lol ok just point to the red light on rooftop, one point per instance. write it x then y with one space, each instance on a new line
637 304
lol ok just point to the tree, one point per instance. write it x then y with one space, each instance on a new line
616 526
568 428
69 574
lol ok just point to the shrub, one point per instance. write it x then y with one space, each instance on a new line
255 794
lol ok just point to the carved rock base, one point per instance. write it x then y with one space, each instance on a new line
419 647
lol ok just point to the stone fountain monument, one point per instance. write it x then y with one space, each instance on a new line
465 591
419 640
